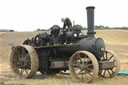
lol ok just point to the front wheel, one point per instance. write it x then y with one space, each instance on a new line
110 72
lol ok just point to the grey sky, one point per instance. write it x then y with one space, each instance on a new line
28 15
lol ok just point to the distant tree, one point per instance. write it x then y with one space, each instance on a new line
38 29
11 30
101 27
80 27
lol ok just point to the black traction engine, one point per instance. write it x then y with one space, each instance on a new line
59 50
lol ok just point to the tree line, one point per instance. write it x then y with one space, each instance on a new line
107 27
101 27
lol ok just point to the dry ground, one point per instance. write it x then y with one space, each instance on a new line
2 33
115 40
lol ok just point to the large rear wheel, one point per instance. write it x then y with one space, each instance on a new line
24 61
83 66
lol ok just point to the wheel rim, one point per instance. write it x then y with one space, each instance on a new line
83 66
110 56
24 61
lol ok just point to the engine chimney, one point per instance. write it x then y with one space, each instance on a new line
90 21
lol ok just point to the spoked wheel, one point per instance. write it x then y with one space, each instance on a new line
24 61
83 66
110 72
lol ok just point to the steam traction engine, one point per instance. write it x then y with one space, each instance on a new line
83 55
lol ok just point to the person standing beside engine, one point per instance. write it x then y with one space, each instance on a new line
67 23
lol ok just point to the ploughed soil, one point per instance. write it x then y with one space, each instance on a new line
116 40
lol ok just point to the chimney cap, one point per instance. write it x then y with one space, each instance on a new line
90 7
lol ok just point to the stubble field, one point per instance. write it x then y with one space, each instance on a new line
116 40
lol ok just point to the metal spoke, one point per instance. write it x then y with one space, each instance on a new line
21 71
103 57
106 55
17 51
114 60
104 72
29 65
18 54
82 75
26 71
90 74
101 72
110 57
109 73
79 57
79 64
83 63
23 52
19 57
90 69
26 56
84 58
75 65
89 65
112 70
87 61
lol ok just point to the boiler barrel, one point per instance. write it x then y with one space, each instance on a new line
93 45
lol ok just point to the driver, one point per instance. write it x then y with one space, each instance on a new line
66 22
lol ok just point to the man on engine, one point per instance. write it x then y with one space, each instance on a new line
67 23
